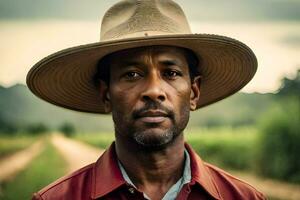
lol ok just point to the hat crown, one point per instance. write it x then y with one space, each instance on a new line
138 18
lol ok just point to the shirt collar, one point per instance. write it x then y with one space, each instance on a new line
106 175
106 170
201 175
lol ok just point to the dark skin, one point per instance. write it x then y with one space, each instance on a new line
150 95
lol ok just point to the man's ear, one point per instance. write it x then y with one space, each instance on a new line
195 92
105 96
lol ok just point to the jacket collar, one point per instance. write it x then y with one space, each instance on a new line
107 176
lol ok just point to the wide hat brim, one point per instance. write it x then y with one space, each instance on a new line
66 78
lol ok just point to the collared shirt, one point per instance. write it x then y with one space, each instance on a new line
175 189
103 180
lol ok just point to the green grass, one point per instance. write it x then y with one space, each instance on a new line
100 140
47 167
12 144
225 147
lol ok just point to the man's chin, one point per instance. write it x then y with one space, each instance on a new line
154 140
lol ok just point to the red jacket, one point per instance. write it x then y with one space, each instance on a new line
103 180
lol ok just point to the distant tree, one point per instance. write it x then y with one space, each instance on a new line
290 87
6 127
37 128
279 142
67 129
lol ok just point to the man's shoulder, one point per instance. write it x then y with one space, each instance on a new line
68 186
238 188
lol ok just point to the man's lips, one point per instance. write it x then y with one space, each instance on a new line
152 116
152 119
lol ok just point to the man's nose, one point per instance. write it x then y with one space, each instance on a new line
153 89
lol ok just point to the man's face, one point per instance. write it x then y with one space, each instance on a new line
150 95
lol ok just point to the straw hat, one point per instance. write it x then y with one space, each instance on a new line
65 78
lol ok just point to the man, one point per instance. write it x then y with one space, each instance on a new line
148 71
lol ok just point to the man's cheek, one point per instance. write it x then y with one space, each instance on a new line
122 109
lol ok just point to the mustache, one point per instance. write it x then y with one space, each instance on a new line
152 105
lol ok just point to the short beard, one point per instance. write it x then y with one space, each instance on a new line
155 143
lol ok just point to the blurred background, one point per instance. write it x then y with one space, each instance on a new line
255 134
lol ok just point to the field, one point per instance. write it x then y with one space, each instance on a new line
101 140
11 144
47 167
225 147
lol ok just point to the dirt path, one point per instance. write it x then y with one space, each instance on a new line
272 188
11 165
77 154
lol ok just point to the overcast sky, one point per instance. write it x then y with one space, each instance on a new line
219 10
33 29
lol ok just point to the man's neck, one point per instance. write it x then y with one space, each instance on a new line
153 172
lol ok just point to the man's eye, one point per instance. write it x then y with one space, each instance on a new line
172 74
132 75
